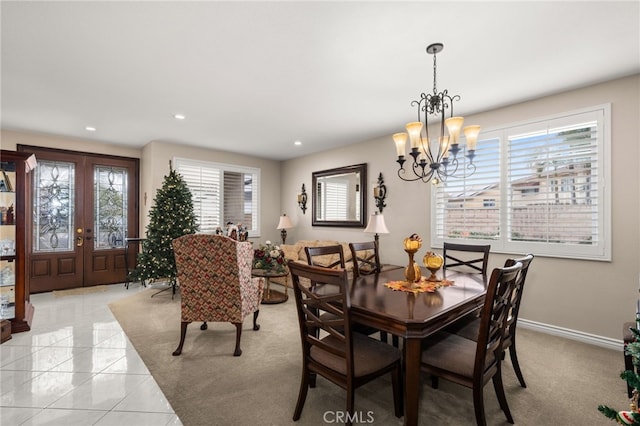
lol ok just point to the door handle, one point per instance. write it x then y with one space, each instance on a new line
79 241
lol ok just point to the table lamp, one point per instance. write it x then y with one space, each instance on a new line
376 226
284 224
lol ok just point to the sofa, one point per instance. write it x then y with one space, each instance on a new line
296 253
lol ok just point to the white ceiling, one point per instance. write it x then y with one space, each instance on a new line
255 76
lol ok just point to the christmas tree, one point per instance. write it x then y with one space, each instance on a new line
630 417
170 217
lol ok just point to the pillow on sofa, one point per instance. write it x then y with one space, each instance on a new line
290 251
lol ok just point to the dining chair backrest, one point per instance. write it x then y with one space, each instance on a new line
466 257
494 318
311 305
330 347
517 295
365 258
326 256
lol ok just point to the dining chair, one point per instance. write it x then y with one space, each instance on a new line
326 256
464 257
473 363
469 329
341 356
214 273
365 257
332 257
366 261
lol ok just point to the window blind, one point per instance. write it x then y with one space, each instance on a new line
539 187
222 193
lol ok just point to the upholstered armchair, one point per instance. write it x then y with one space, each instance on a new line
214 275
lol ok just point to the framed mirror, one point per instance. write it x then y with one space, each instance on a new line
339 197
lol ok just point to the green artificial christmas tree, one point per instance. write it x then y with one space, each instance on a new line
170 217
632 416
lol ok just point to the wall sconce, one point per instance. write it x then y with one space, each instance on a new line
302 200
380 193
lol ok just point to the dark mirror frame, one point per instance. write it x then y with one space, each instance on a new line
357 168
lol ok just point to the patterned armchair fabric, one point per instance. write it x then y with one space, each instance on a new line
214 275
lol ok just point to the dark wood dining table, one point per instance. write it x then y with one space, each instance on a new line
413 316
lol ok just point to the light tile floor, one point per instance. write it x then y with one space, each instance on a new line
77 367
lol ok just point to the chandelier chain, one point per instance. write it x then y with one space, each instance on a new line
435 91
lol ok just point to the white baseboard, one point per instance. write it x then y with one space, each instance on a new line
591 339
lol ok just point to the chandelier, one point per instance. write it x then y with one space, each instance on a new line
436 159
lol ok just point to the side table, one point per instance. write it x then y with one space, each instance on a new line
271 297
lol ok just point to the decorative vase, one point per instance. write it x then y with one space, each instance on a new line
411 245
433 262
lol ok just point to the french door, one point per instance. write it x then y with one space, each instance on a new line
83 207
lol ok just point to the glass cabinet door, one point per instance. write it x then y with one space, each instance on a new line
7 239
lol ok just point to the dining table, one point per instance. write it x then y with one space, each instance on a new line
414 315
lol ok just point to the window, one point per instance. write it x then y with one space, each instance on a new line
540 187
222 193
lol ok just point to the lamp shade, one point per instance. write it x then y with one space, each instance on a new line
285 222
376 225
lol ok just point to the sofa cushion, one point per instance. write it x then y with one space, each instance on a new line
290 251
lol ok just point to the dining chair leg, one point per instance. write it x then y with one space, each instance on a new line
434 381
398 400
514 362
502 399
351 397
478 405
302 394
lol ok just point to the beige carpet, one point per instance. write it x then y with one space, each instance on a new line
80 291
206 385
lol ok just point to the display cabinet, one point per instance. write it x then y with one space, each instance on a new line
14 212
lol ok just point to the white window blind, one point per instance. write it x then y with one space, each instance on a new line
539 187
468 208
334 198
222 193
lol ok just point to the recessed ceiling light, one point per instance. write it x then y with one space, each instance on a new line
297 143
90 129
179 116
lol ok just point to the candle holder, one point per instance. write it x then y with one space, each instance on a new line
433 262
412 272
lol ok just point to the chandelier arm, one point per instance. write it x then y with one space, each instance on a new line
451 168
419 166
472 169
401 173
427 177
426 149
